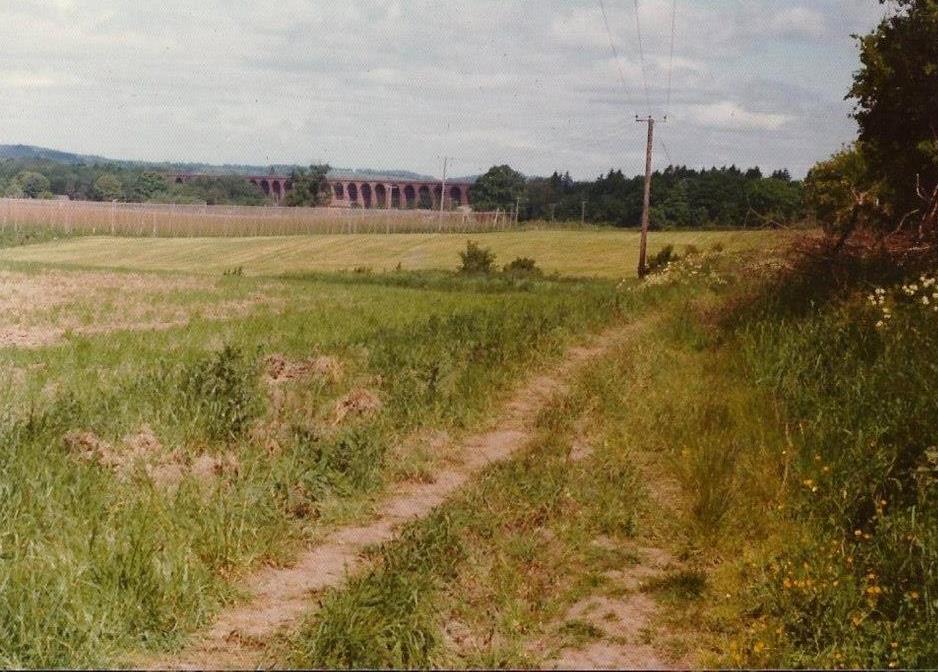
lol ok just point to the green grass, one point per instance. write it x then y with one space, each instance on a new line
95 564
759 426
601 253
805 512
500 564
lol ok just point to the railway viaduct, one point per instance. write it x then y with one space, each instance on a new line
377 192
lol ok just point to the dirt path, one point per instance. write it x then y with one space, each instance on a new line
632 631
280 596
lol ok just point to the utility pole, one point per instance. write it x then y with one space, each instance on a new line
583 212
643 244
443 186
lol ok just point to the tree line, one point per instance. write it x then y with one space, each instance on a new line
682 197
43 178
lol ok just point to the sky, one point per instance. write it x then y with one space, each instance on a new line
399 84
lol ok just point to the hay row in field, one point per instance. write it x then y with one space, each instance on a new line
172 220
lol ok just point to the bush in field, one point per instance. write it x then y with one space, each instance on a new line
476 260
663 258
523 266
220 390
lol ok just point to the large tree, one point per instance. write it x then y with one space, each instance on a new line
896 90
147 186
108 187
32 184
309 187
499 188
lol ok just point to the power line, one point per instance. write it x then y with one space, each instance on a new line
641 55
667 106
612 45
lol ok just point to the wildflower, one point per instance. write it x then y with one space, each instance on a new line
925 301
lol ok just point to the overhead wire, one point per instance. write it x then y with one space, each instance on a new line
641 56
641 53
667 107
612 45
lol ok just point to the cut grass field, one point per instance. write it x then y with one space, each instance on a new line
598 253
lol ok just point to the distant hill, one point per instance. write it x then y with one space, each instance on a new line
32 153
44 154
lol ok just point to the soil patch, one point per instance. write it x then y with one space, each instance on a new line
279 369
359 402
142 454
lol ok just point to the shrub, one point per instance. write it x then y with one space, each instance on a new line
523 266
663 258
476 259
220 391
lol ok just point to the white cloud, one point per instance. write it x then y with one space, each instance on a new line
729 116
27 80
798 22
377 82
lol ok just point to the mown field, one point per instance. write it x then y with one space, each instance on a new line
747 479
598 253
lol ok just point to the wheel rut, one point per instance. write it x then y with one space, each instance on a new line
278 597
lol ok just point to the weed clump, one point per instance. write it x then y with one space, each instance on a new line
221 391
476 260
523 267
665 256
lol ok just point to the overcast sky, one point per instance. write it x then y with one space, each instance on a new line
400 83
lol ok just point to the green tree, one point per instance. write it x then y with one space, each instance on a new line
310 188
499 188
842 192
147 185
896 90
108 187
32 184
13 190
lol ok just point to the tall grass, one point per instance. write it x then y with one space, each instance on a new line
173 220
96 563
859 587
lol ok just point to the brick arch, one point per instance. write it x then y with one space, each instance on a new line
424 198
410 196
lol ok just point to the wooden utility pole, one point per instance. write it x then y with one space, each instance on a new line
443 189
582 213
643 245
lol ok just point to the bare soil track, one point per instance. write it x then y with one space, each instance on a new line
279 597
